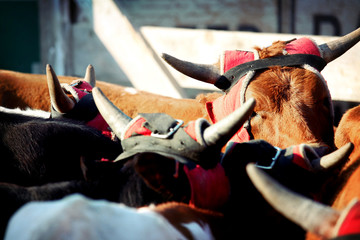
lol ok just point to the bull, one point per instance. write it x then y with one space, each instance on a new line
293 101
320 219
31 91
346 187
299 167
39 150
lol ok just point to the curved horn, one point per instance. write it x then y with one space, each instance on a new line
310 215
204 72
336 48
59 100
221 132
90 75
329 160
116 119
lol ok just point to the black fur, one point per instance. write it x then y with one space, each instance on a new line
37 151
130 183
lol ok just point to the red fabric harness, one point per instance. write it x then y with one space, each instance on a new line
350 222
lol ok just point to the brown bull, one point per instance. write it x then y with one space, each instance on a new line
31 90
293 101
321 220
342 191
349 177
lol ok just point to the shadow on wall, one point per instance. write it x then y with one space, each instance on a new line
89 49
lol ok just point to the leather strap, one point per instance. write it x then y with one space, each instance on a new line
232 76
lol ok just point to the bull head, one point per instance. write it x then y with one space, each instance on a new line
211 73
59 100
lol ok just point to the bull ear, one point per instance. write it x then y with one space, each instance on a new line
338 47
334 158
90 75
59 100
310 215
221 132
208 73
163 175
116 119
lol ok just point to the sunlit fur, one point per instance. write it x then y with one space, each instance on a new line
31 90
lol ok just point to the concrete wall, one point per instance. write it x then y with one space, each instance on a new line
320 17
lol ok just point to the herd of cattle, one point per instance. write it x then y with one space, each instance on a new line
85 159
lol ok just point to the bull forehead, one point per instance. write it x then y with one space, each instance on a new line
278 88
293 107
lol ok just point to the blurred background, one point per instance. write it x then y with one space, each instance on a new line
124 39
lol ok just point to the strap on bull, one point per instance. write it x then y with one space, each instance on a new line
169 139
232 76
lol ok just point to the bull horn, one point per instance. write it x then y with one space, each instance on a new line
90 75
208 73
116 119
330 160
221 132
336 48
310 215
59 100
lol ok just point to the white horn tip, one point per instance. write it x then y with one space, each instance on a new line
253 171
251 102
337 157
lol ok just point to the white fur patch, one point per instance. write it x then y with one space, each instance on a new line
27 112
198 231
76 217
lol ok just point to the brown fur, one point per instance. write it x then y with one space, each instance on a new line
348 130
292 104
276 49
30 90
346 187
